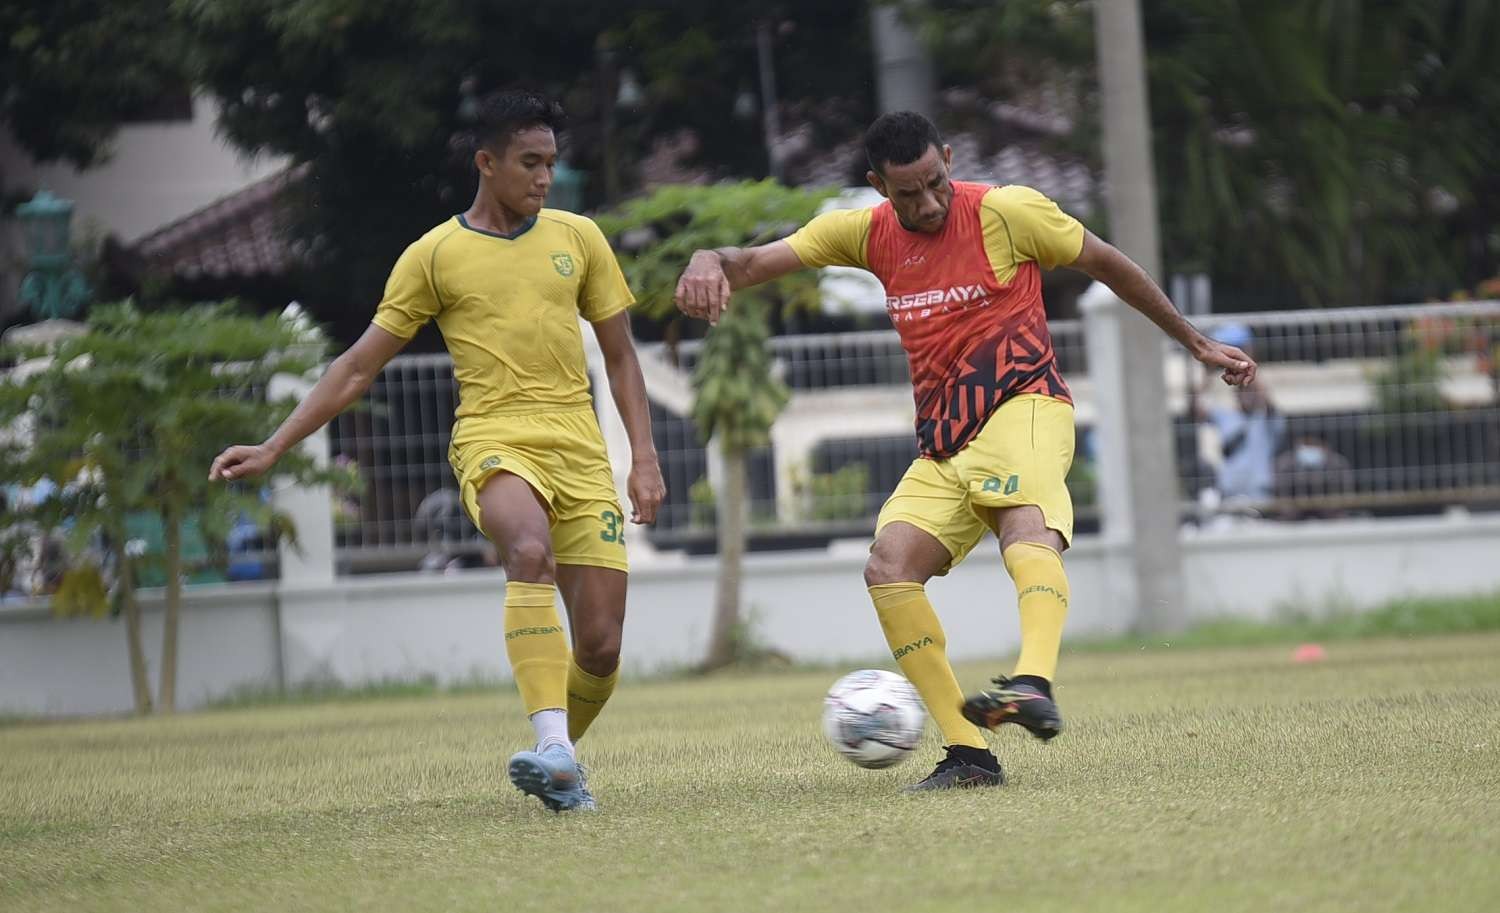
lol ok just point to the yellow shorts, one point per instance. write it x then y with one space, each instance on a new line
560 454
1020 457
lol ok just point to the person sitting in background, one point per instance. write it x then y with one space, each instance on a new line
1249 432
1312 469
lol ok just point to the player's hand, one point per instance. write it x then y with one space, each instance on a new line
1237 367
703 291
242 461
646 489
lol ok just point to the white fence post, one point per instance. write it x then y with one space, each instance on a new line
1137 479
310 562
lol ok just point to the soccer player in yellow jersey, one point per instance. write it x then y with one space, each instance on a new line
961 264
506 282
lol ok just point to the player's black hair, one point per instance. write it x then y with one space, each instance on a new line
899 138
500 115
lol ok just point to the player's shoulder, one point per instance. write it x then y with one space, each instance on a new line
857 219
580 226
1008 197
435 236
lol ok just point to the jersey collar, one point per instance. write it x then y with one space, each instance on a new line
525 227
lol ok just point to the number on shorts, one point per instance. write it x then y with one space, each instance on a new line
614 527
1012 484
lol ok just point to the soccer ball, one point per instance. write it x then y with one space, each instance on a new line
873 717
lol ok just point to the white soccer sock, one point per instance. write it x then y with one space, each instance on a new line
551 729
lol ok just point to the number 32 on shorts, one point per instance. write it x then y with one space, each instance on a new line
614 526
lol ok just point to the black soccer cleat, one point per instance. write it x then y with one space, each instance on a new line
1014 702
963 768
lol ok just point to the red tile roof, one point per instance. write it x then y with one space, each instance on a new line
243 234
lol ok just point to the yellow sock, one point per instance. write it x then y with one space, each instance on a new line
535 643
1042 588
587 694
916 638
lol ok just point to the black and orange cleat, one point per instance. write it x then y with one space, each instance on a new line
1013 701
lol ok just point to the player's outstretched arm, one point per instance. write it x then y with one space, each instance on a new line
346 379
710 277
646 487
1104 262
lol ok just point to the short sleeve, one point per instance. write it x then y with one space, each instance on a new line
1038 229
410 298
839 237
605 292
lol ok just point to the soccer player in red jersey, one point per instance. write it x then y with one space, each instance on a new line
961 264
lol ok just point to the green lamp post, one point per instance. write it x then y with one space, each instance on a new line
53 287
567 188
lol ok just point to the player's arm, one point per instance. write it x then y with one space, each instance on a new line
711 275
1105 263
647 489
345 380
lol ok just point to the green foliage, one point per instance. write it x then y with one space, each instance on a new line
738 396
370 95
1083 482
15 550
683 218
843 494
1411 381
72 71
128 416
83 592
703 501
1305 141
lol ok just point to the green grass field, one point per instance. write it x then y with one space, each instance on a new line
1207 779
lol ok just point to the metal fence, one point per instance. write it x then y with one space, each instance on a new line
1375 410
408 510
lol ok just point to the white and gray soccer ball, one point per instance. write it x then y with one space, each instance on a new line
873 717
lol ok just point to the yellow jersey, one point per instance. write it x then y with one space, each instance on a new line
508 307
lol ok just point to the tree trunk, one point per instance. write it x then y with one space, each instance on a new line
722 642
173 544
139 679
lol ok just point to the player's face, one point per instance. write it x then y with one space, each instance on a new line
919 191
519 175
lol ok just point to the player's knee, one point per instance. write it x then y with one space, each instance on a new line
530 560
598 653
883 568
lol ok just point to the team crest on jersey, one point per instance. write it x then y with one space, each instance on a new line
563 263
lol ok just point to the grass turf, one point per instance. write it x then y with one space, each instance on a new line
1223 779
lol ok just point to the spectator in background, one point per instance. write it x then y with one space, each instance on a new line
1312 469
1249 432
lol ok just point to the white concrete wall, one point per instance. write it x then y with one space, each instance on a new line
812 606
157 173
59 666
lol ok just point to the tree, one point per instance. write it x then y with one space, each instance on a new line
74 70
370 95
738 399
738 396
1345 150
127 418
